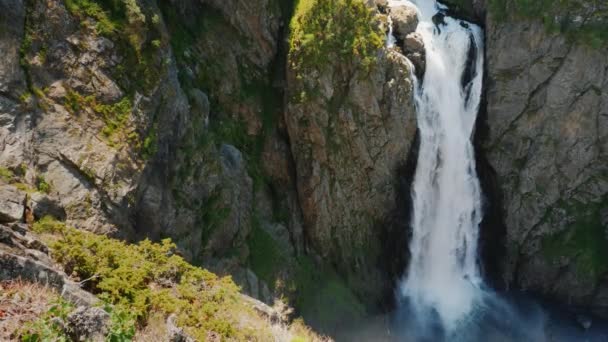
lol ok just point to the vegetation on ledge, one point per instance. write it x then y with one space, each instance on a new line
323 31
144 280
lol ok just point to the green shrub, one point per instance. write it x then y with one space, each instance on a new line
47 327
150 145
42 185
6 174
148 277
323 31
115 115
122 325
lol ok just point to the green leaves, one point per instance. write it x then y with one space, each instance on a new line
48 327
323 31
137 279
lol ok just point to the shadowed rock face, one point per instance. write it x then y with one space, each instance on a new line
12 15
348 143
542 151
547 140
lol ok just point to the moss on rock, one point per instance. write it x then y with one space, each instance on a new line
584 241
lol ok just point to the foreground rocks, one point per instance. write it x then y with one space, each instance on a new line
23 256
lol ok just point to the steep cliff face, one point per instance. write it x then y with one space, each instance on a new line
105 123
547 114
351 123
167 119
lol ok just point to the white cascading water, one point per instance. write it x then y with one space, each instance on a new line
444 280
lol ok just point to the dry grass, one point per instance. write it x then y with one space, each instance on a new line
155 330
22 302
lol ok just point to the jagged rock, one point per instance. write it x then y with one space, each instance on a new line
252 285
88 324
200 104
11 206
18 236
23 256
18 267
43 205
405 21
470 10
347 157
236 200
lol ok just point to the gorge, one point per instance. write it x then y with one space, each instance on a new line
278 143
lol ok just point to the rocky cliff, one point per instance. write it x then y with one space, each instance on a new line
546 141
541 143
187 120
351 123
107 124
272 144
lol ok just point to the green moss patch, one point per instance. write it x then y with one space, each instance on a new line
115 117
134 29
584 241
266 258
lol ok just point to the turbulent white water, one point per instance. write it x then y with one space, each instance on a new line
444 280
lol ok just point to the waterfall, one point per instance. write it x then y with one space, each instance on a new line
443 282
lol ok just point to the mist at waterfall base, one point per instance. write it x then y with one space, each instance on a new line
443 296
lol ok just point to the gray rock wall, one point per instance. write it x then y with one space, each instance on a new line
351 131
547 115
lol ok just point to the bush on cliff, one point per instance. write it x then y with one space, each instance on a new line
323 31
148 278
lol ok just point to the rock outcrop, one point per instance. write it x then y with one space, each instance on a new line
547 140
351 130
24 256
405 20
108 129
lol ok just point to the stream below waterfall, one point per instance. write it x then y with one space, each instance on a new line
442 296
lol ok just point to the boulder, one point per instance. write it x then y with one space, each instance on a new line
405 21
413 43
88 324
175 333
11 204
